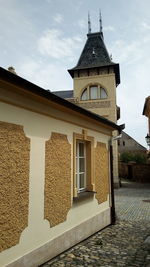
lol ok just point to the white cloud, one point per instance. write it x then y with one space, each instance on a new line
145 26
53 44
49 76
58 18
109 28
129 52
135 82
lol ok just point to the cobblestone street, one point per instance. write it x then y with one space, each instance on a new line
127 243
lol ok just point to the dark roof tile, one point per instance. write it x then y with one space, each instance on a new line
64 94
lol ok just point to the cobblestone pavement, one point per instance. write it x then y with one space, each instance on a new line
124 244
131 201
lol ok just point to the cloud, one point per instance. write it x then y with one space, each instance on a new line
53 44
45 75
145 26
129 52
132 54
109 28
58 18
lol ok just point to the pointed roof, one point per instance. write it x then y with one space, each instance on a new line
95 55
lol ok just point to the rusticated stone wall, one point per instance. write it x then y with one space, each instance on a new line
96 104
57 195
101 172
14 183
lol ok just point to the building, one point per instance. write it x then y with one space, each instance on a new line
55 172
146 112
127 144
95 79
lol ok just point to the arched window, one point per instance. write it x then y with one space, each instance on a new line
84 95
103 93
94 92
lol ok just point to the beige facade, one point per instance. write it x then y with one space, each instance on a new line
104 107
42 213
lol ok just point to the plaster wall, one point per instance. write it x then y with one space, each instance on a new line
108 82
38 128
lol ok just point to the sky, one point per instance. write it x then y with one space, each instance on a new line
42 39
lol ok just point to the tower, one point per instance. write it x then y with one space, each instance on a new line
95 79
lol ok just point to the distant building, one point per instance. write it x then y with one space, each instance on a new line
146 112
128 144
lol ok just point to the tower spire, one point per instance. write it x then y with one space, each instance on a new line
100 22
89 23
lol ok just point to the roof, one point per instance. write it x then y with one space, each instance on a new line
95 55
36 90
127 136
64 94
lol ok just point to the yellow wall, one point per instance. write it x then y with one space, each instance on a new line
108 82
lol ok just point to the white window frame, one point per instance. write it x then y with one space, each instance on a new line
88 93
77 166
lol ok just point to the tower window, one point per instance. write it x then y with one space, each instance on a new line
84 95
103 93
94 92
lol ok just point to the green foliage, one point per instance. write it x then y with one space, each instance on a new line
136 157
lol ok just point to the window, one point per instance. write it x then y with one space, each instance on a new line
103 93
123 143
83 163
81 166
94 92
84 95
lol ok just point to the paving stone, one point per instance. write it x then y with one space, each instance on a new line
147 240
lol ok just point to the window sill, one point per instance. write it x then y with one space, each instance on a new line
84 195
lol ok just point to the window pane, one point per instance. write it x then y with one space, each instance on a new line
103 93
84 95
81 165
81 181
81 149
93 92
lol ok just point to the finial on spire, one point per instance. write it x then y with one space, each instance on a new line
100 22
89 23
